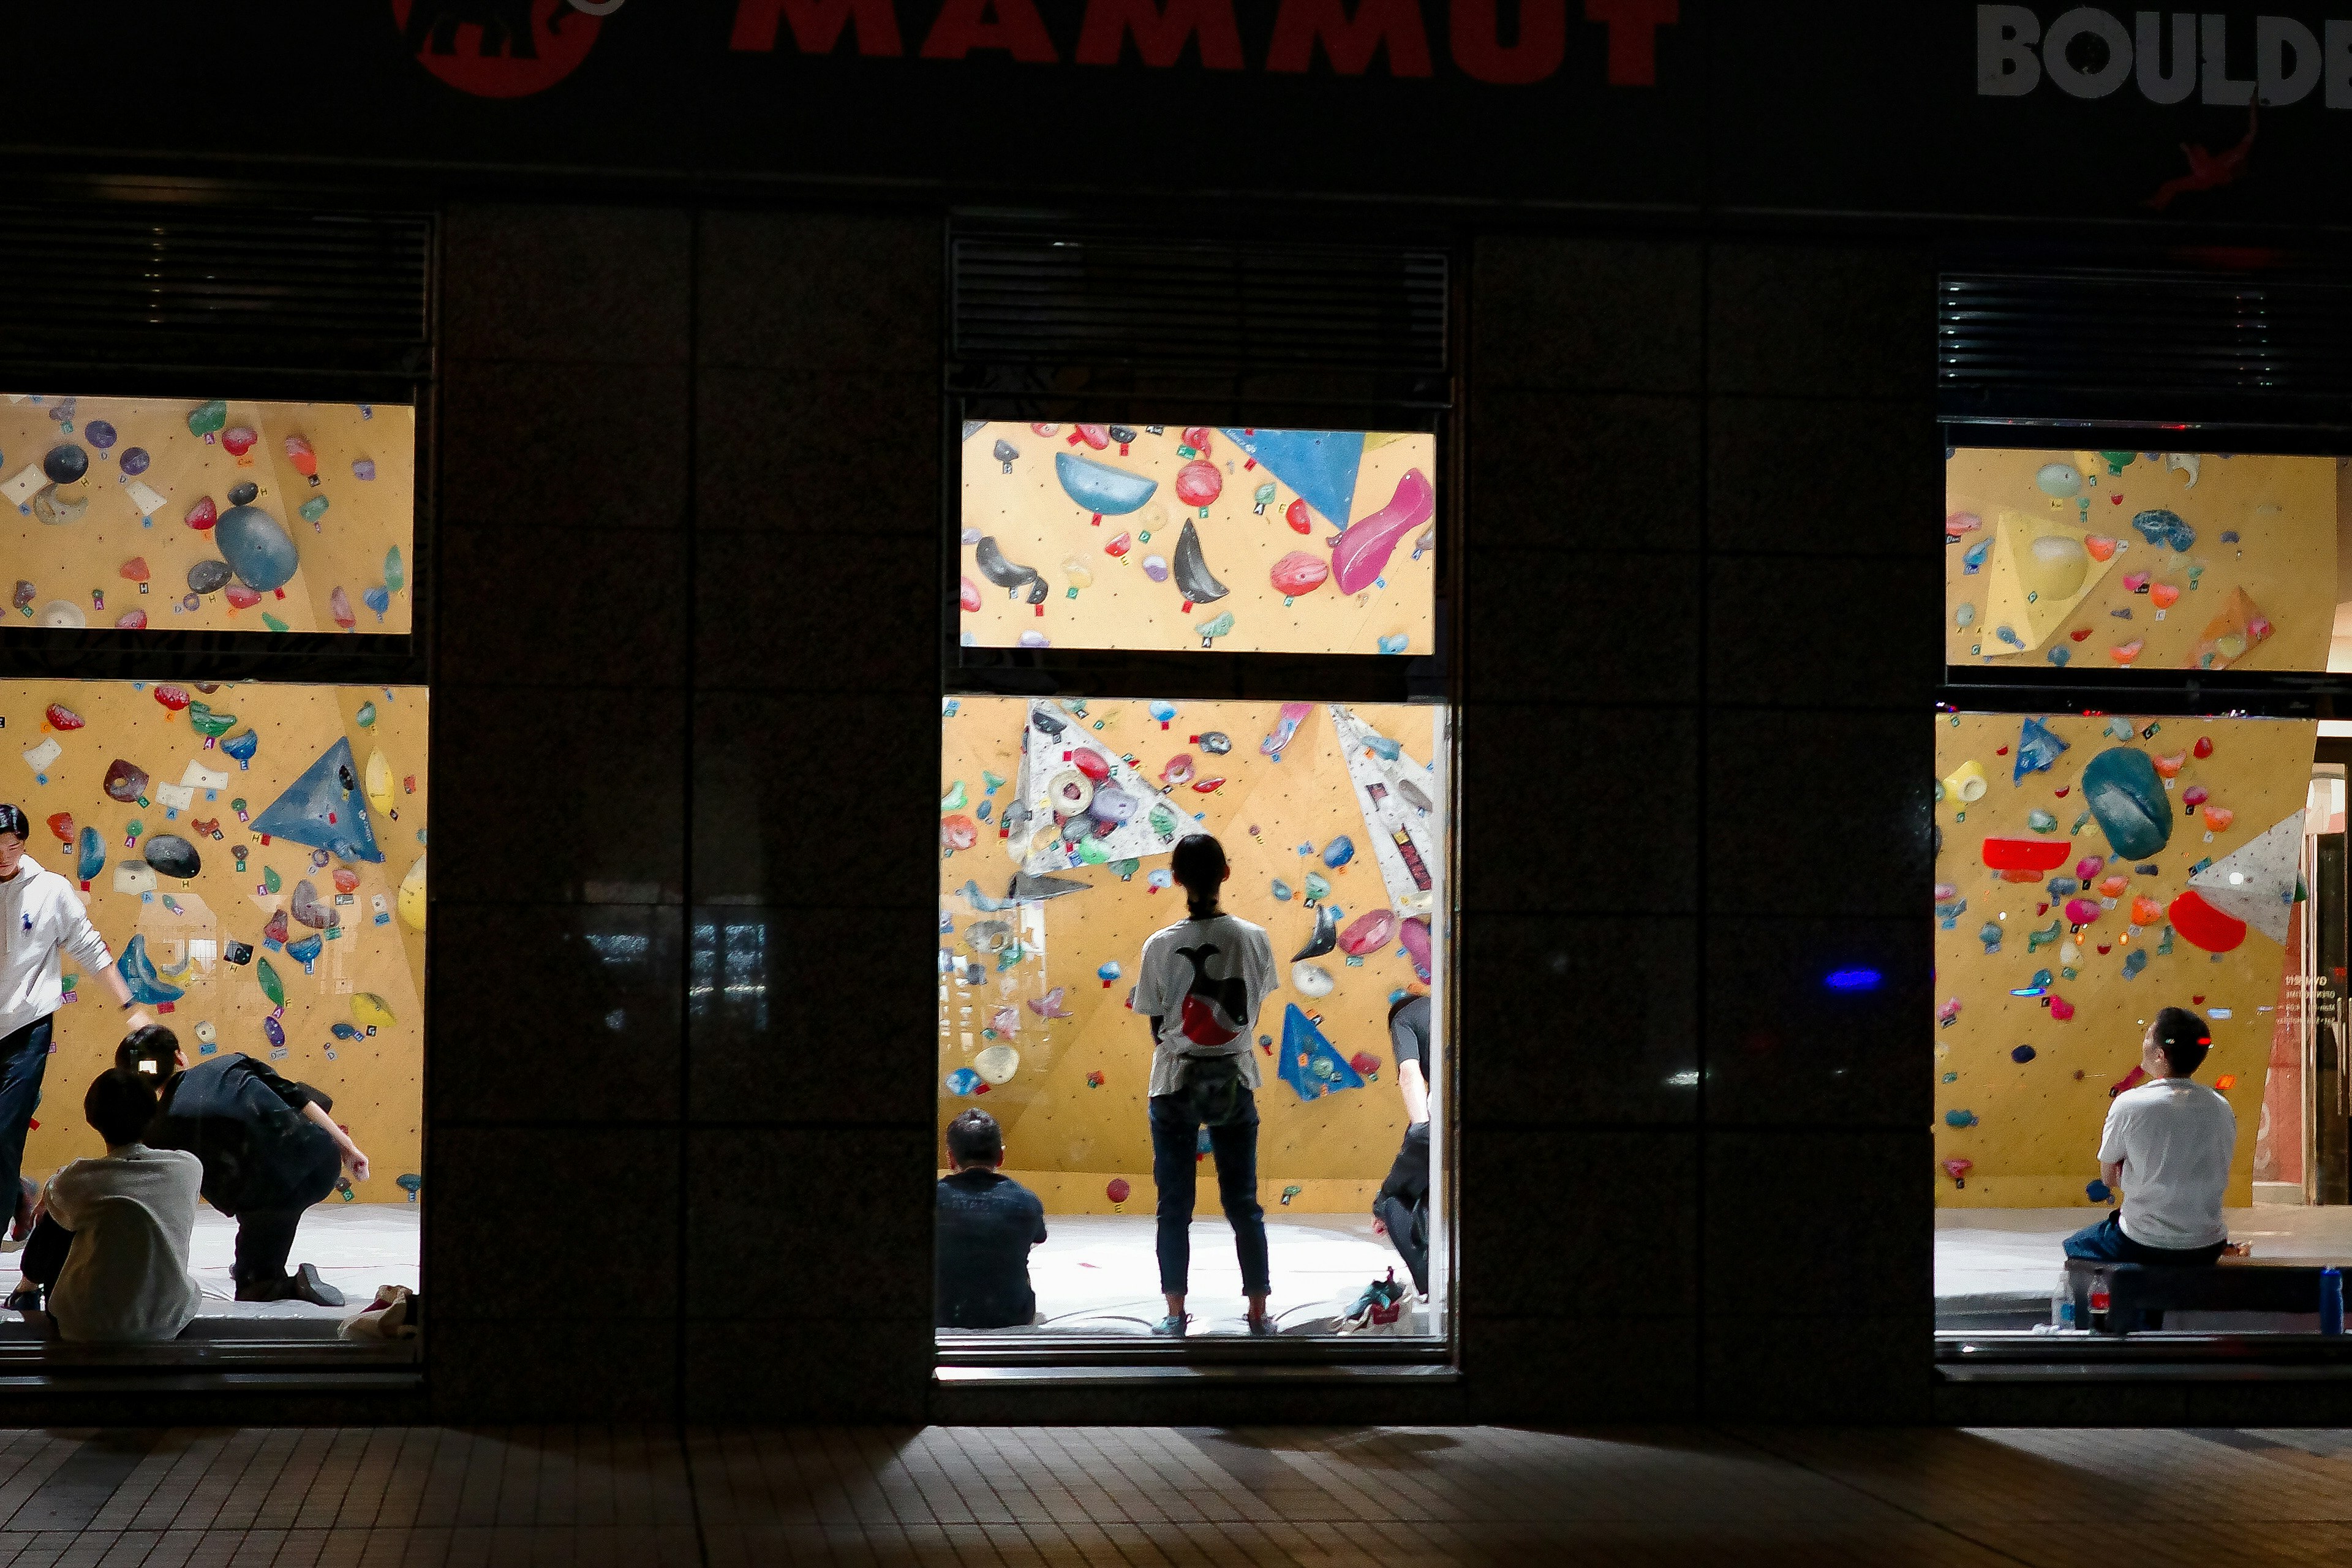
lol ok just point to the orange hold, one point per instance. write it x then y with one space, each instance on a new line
2021 874
2226 1082
135 569
2163 595
346 880
2112 887
2218 818
2146 911
2124 653
2170 767
2101 547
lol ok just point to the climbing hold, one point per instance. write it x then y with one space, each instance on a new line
172 856
2060 481
2125 792
1965 784
2083 911
2040 821
1156 568
1325 935
2022 855
1214 627
1989 933
1368 932
2164 528
958 832
1959 1119
1298 572
2022 1054
1100 489
258 550
2061 1009
1198 483
1008 574
1193 578
125 782
2037 750
1108 971
2218 818
1311 980
244 493
1361 552
1116 1190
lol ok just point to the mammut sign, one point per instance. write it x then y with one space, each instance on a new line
2168 57
1346 37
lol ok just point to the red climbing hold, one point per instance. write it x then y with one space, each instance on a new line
2204 747
2025 854
2204 926
1118 1190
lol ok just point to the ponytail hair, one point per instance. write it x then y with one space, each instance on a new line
1198 863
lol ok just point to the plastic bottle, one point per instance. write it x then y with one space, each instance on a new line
2061 1304
2331 1301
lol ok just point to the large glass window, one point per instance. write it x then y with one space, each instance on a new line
156 514
1161 537
1058 820
253 856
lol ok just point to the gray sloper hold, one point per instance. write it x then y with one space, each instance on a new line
259 549
1007 573
1326 937
1191 568
208 576
172 856
245 493
1027 888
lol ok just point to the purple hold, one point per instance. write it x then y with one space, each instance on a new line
99 433
1035 639
275 1030
134 460
362 467
1155 568
1111 805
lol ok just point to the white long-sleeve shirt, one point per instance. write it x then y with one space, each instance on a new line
41 918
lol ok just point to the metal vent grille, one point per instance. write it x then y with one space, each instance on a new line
2145 347
212 288
1096 300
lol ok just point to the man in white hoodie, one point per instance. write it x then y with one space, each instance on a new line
41 918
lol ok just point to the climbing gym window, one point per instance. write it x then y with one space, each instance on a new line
1058 817
252 856
1170 537
153 515
2136 809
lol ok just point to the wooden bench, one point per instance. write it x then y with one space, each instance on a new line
2138 1294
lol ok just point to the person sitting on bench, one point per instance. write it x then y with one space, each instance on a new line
2167 1148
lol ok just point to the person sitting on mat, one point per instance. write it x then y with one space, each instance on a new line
987 1222
1202 983
2167 1149
268 1151
110 1246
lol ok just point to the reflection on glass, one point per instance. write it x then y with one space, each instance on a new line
1110 536
162 514
1057 822
729 972
2103 560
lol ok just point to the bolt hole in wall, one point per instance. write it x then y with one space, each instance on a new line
1058 820
2095 867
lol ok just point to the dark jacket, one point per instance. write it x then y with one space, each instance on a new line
986 1224
246 1123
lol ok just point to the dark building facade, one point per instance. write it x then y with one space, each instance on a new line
1690 401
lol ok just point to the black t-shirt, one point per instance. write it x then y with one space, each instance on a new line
987 1224
1410 1032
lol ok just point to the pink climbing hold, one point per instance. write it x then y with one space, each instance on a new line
1199 483
1363 552
2082 912
1091 763
2061 1009
1958 1169
958 832
340 605
968 594
203 514
1298 572
2088 866
1116 1190
1368 932
136 621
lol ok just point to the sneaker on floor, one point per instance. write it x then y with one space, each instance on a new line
302 1285
20 1226
1173 1326
1260 1328
24 1297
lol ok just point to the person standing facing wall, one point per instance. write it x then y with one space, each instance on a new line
41 918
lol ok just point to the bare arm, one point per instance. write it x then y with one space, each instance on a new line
351 1152
1415 1091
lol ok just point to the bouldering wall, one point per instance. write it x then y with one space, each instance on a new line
1051 878
1246 539
2153 560
254 856
2091 870
168 515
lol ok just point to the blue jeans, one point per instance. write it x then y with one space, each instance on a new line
24 1058
1174 1144
2106 1243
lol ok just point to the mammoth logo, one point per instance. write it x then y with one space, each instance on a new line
500 48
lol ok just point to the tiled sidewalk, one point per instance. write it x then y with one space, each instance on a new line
965 1498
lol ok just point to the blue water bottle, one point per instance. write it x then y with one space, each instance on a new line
2331 1301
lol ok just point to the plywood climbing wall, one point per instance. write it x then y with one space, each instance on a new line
161 480
1033 1022
2153 560
1158 537
2140 845
352 1020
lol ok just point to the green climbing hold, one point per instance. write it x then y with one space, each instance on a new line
272 621
955 799
270 987
394 576
2054 930
365 717
270 883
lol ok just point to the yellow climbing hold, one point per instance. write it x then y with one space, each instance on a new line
379 781
412 896
369 1011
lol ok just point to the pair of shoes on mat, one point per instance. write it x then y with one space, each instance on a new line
1173 1326
302 1285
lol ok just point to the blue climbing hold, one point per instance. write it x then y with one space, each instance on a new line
2037 750
2159 526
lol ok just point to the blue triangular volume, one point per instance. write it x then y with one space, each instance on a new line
324 809
1320 465
1308 1063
